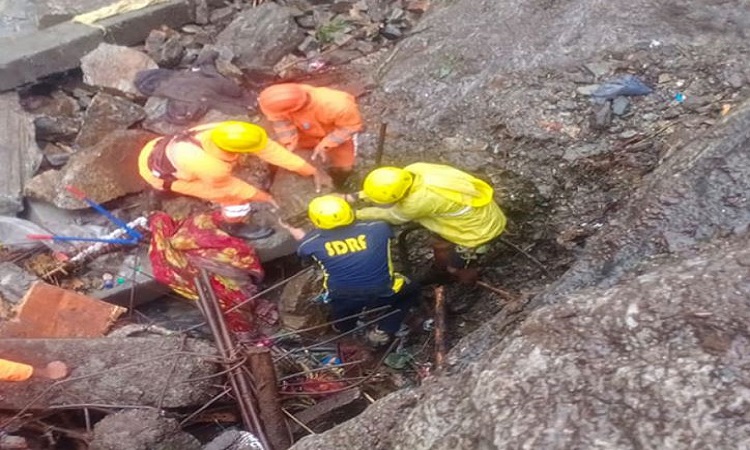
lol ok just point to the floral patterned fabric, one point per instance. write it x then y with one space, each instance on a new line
180 248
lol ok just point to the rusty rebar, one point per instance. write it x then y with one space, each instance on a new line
439 327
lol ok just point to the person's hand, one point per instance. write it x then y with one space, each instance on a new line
274 206
322 180
297 233
320 154
54 370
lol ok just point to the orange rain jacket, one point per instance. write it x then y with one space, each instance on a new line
329 120
14 371
206 172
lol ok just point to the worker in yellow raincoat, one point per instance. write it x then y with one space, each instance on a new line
457 208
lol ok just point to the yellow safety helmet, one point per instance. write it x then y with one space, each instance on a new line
239 137
387 184
330 211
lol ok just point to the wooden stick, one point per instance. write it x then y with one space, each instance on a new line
260 364
501 292
381 144
439 327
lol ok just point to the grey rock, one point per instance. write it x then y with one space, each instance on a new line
118 381
105 114
310 44
222 16
56 155
736 80
620 106
156 109
391 32
141 430
587 89
19 152
602 116
202 12
104 172
306 21
60 221
581 151
260 37
599 69
165 47
627 134
14 282
58 103
56 129
115 67
140 286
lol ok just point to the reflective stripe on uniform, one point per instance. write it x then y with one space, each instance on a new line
236 211
355 142
286 133
460 212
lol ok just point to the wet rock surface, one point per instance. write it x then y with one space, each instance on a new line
114 66
610 364
105 114
104 172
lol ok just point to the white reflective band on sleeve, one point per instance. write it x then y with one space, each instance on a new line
393 213
236 211
355 141
460 212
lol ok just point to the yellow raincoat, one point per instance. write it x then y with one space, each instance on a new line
450 203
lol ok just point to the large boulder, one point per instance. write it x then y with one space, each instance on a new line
260 37
105 114
106 171
656 362
115 67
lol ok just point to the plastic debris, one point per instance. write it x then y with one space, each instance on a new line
627 85
679 97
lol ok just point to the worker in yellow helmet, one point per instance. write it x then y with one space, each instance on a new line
356 261
458 208
199 163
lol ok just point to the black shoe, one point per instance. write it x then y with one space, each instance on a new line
247 231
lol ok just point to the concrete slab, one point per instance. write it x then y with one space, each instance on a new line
146 288
27 57
113 371
19 152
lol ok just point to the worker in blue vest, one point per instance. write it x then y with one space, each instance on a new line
356 261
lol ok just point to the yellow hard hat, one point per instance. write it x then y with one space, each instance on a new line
239 137
387 184
330 211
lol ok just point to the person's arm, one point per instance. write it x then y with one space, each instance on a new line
218 175
394 215
347 121
284 131
279 156
297 233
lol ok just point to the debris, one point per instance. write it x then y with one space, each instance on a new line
627 85
679 97
261 366
165 47
47 311
57 103
222 16
105 171
296 309
599 69
114 67
105 114
725 109
55 129
135 284
322 415
620 106
14 283
260 37
141 429
602 116
19 153
233 439
293 192
117 371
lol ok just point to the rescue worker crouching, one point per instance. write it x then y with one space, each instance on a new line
321 119
456 207
358 272
199 163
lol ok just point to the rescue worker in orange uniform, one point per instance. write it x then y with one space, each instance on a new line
199 163
16 371
315 118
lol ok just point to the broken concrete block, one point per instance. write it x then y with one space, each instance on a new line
48 311
260 37
114 371
14 282
19 153
141 429
114 66
105 114
104 172
296 309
